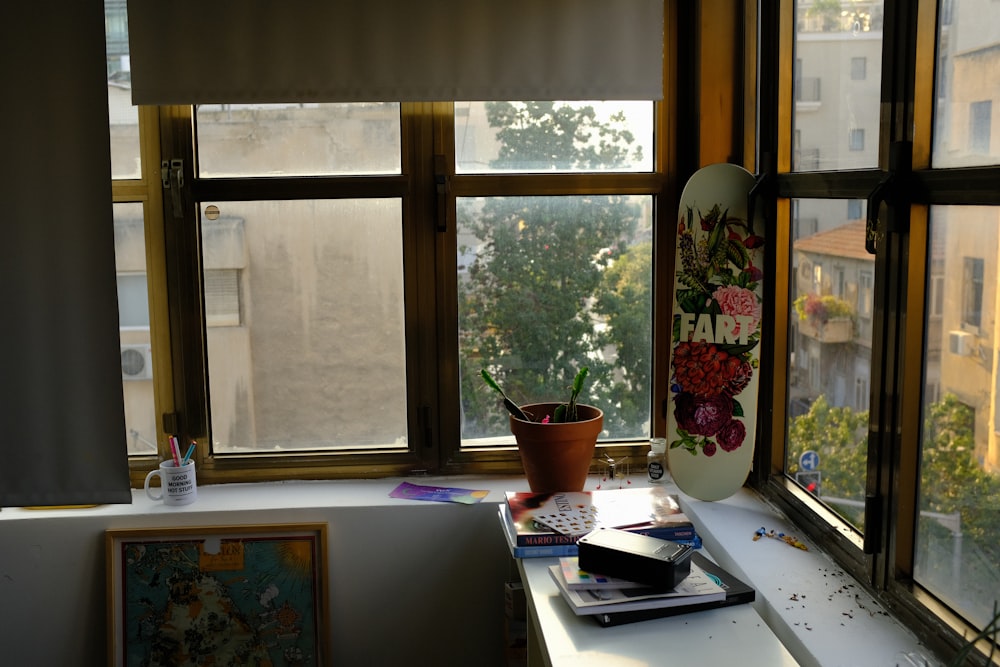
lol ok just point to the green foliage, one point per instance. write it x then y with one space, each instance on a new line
625 299
524 310
821 309
565 412
951 479
840 437
829 10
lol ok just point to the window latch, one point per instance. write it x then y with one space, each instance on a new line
442 182
889 190
172 178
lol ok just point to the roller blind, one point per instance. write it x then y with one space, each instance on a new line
62 422
254 51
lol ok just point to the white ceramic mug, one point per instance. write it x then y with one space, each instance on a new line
178 485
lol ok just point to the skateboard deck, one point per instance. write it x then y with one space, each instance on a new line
714 358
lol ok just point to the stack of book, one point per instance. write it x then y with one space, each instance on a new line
615 601
549 524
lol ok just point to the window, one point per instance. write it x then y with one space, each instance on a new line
317 250
980 119
856 139
866 287
919 522
858 68
133 302
855 209
956 534
972 292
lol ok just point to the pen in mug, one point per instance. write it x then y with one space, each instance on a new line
187 457
175 451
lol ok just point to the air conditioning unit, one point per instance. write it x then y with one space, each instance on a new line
960 343
137 362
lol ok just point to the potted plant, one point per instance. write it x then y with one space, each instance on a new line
826 318
556 441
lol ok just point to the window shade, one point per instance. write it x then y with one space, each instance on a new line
61 411
253 51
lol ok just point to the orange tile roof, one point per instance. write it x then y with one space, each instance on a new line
844 241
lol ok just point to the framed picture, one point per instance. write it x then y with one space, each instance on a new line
236 595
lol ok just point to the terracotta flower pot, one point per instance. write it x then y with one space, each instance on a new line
557 457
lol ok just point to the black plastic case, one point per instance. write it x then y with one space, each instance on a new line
647 560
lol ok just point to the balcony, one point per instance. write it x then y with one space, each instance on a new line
836 330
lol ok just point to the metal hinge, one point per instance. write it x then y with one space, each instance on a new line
172 177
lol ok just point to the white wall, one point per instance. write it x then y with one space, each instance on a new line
410 582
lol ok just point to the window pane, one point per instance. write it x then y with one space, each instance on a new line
305 324
966 83
124 117
829 378
298 139
837 79
958 535
548 285
553 136
133 317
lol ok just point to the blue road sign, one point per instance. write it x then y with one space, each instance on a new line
809 460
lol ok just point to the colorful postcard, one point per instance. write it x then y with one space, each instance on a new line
442 494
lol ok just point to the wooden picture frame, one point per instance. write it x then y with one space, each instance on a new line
259 592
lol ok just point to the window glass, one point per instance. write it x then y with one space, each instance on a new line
304 306
967 81
548 285
829 365
553 136
133 317
298 139
122 114
958 535
837 83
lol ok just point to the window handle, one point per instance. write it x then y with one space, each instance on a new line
172 178
875 199
889 189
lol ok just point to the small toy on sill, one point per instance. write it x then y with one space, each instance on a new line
615 470
787 539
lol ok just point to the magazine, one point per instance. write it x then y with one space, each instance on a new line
696 587
562 518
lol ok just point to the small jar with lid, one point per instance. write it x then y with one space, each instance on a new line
656 461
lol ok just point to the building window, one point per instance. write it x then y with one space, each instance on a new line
133 300
972 292
980 121
859 68
866 294
222 297
855 209
862 394
856 139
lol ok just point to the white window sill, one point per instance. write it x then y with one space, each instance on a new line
821 615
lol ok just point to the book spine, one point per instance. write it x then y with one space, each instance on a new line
672 533
554 551
545 540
